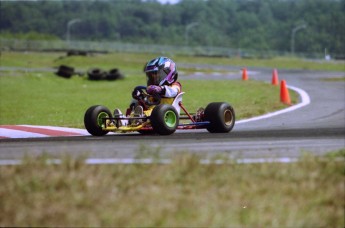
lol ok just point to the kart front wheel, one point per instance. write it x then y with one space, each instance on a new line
93 119
164 119
221 116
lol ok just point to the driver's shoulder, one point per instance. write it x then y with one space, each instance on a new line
176 84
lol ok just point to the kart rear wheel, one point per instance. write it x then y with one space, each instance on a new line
164 119
221 116
93 119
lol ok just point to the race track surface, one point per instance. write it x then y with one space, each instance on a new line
318 127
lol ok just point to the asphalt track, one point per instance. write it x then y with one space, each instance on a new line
317 127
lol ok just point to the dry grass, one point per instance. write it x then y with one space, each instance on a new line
309 193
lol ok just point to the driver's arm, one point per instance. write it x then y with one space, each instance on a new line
173 90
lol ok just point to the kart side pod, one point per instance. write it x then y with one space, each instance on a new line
177 101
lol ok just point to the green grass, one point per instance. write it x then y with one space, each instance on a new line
278 62
135 61
42 98
45 99
308 193
125 61
28 59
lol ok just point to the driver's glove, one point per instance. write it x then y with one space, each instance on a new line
153 89
136 93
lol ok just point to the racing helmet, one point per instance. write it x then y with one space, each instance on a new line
161 71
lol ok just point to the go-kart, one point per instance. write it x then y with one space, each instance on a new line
159 115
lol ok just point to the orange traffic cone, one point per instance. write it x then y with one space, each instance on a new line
284 93
275 80
244 74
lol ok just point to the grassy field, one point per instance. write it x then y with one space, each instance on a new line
135 61
42 98
308 193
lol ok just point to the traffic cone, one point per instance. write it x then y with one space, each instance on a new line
275 80
244 74
284 93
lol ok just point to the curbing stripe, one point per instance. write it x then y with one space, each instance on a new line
64 129
6 133
305 100
39 130
29 131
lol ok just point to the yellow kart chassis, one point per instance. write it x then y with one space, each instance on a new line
109 126
124 128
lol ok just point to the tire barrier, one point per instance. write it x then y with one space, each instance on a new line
65 71
76 53
99 74
114 74
94 74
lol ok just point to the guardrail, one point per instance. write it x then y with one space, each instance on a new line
89 46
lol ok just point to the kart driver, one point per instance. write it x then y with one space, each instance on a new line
161 75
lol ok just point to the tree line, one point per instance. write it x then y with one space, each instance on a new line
283 25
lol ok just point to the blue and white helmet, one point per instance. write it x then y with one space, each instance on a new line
161 71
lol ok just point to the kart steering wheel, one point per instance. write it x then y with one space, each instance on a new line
155 99
139 93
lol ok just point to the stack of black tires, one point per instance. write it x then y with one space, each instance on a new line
94 74
99 74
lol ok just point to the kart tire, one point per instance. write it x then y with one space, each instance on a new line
96 74
75 53
164 119
65 71
221 116
93 119
114 74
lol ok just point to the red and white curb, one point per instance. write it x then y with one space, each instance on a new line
31 131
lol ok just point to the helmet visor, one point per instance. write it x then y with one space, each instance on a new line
154 78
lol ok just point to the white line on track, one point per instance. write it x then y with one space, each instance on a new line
305 100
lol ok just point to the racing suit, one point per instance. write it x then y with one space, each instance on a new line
166 91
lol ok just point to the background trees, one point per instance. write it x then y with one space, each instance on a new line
245 24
